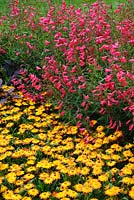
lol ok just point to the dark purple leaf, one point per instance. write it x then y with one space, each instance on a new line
1 82
2 101
11 90
16 96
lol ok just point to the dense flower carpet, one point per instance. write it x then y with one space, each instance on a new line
43 158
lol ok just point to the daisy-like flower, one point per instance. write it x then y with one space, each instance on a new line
44 164
60 195
3 166
8 194
42 136
9 125
127 153
3 150
18 103
112 137
1 179
131 159
117 147
28 186
87 189
63 169
17 154
106 140
33 192
3 188
126 180
18 190
97 170
114 170
27 140
48 180
92 122
100 134
11 177
30 162
34 130
35 148
103 178
55 175
118 133
111 163
126 171
71 193
78 187
72 130
97 145
19 182
115 157
128 146
113 191
45 195
96 184
131 193
73 171
4 141
28 176
43 175
100 128
20 173
109 151
65 185
31 168
17 197
84 171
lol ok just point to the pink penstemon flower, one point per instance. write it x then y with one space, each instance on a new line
83 104
2 51
79 116
17 53
85 62
36 86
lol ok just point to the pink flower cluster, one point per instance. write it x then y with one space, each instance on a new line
88 63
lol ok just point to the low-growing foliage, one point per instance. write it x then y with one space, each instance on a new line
44 158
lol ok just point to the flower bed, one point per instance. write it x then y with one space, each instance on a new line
67 125
44 158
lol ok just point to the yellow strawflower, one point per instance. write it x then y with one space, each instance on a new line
45 195
11 177
131 193
113 191
33 192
